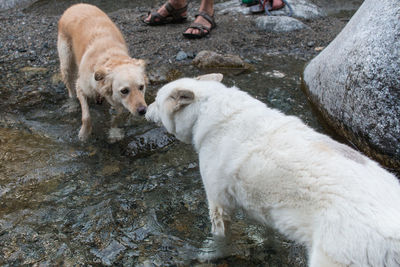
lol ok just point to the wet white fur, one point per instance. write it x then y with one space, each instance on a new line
340 204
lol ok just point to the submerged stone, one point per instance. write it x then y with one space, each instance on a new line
152 140
109 254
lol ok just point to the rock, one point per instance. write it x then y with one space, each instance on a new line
355 83
157 75
110 253
301 9
7 4
109 170
152 140
209 59
181 56
56 79
163 74
279 24
30 72
231 7
275 74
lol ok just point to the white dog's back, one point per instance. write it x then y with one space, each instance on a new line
343 206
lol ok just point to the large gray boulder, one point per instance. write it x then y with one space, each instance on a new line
355 81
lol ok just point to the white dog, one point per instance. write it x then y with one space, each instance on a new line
340 204
95 63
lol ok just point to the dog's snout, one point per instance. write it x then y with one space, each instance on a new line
141 110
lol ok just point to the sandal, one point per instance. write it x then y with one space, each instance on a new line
174 16
204 30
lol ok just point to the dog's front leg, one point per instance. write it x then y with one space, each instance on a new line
115 133
86 128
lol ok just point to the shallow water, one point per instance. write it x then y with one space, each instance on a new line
138 202
66 202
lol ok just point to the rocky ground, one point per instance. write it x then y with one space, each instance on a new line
138 202
29 40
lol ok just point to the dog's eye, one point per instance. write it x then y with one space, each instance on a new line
141 87
125 91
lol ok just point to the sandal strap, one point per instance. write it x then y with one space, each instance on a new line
175 12
199 26
153 15
207 17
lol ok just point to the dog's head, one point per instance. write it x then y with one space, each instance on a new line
124 84
176 106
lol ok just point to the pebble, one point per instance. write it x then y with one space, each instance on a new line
181 56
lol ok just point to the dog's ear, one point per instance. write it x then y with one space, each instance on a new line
211 77
100 74
181 98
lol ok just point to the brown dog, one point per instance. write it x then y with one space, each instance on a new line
94 61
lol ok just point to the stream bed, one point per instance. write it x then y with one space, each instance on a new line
137 202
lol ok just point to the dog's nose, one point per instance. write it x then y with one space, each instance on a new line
141 110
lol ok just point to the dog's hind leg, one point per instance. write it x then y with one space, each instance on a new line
220 245
318 258
220 220
68 67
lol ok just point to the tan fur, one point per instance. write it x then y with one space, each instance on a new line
94 61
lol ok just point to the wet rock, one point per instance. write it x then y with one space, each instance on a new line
152 140
56 79
163 74
110 170
210 60
181 56
30 72
109 254
279 24
354 81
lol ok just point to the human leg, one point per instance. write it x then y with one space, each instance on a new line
204 22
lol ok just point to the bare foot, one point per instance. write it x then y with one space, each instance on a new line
276 4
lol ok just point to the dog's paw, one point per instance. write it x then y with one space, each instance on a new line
115 134
215 248
84 134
